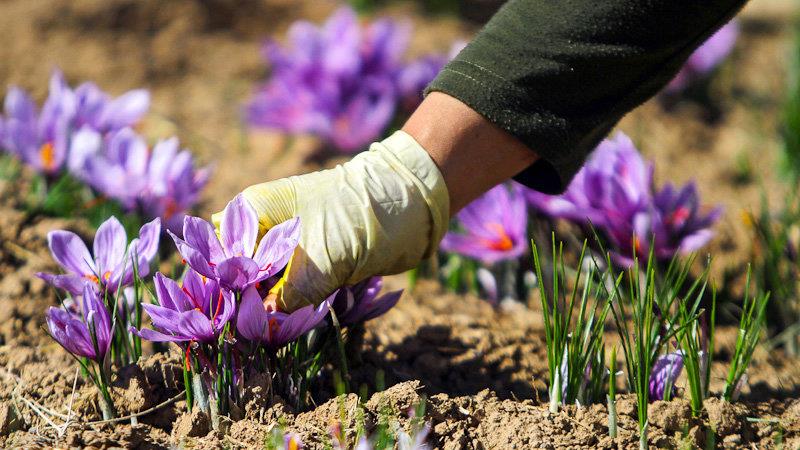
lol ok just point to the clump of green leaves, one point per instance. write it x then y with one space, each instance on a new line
574 320
751 324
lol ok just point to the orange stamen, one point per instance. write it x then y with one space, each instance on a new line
187 360
47 155
92 278
107 275
218 308
503 241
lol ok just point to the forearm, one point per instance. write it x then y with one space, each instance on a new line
472 153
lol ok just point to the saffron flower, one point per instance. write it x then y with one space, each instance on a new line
360 302
615 192
706 58
194 312
666 371
87 335
494 227
230 259
40 138
266 325
111 266
161 183
336 81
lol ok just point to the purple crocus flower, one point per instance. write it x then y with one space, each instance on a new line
87 335
706 58
666 371
230 259
272 328
360 302
494 227
111 265
614 191
197 311
162 183
40 138
336 81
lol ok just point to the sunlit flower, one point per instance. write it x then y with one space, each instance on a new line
336 81
40 138
112 263
360 302
230 258
196 311
615 192
666 371
87 335
494 227
263 323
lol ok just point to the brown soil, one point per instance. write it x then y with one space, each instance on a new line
483 371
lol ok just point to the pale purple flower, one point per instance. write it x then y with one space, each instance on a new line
272 328
40 138
111 266
86 335
196 311
336 81
613 184
666 370
615 192
360 302
162 182
706 58
494 227
414 77
230 259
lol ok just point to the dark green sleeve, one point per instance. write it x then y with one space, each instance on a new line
559 74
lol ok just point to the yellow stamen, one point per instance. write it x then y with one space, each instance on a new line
92 278
107 275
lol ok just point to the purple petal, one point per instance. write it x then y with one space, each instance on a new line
110 244
193 257
126 109
201 235
165 319
238 273
277 246
68 282
20 106
155 336
194 323
252 321
239 228
71 253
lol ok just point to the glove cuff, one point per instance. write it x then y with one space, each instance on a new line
404 152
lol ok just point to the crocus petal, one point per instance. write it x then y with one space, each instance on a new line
252 321
85 143
201 235
126 109
381 305
68 282
19 105
71 253
239 228
277 246
195 259
145 247
194 323
238 273
69 332
109 247
155 336
163 318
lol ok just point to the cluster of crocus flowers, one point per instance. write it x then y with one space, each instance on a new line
104 297
85 133
615 193
223 313
341 81
706 58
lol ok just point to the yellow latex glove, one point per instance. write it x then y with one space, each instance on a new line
380 213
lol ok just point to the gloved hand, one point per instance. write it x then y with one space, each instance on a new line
380 213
